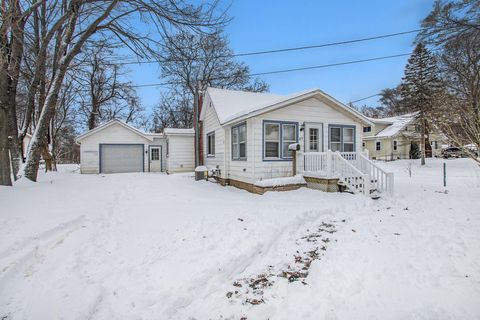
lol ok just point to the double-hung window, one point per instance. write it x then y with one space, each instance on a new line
342 138
239 142
277 137
378 146
211 144
395 145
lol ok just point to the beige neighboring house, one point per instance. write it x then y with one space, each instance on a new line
392 138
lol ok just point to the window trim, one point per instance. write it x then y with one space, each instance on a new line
280 123
209 135
246 142
342 143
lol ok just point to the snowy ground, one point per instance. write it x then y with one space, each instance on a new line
152 246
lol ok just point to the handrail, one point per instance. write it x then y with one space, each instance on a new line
381 179
355 179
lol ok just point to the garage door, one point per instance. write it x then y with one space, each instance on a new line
116 158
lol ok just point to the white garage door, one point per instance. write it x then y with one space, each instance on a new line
116 158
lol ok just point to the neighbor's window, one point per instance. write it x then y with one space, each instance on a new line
211 144
289 136
271 139
313 139
378 146
395 145
155 154
367 129
167 148
239 142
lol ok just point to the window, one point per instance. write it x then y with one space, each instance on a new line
289 136
342 138
277 137
335 139
167 148
367 129
211 144
363 144
378 146
155 154
348 140
395 145
313 139
272 140
239 142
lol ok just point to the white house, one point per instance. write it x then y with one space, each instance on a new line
246 135
115 147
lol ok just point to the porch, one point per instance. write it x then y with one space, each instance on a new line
352 169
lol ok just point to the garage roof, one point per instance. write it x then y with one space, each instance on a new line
148 136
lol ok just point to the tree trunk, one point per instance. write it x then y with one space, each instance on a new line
422 139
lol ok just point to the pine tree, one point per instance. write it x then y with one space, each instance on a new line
419 88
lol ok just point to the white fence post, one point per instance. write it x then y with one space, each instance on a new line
329 163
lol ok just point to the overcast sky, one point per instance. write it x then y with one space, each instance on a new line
265 25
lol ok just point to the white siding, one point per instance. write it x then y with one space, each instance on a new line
181 156
312 110
211 124
114 134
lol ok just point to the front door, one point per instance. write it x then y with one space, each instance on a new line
155 159
313 137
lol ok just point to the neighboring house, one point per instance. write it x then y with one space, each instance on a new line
115 147
246 135
392 138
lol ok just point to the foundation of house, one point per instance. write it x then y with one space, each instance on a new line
250 187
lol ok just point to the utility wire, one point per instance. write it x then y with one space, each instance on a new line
290 70
254 53
373 95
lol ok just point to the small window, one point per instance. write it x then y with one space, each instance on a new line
363 144
272 140
367 129
313 139
289 136
155 154
211 144
348 140
239 142
336 139
378 146
166 148
395 145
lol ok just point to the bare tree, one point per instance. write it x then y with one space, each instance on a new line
84 21
193 61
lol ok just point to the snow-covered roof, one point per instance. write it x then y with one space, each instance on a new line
233 105
396 124
178 131
148 136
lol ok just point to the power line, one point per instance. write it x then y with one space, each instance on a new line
254 53
373 95
292 70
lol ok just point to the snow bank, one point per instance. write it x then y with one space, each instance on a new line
278 182
140 245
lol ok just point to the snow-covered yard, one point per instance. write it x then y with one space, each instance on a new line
152 246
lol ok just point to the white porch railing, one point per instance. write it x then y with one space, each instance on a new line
354 169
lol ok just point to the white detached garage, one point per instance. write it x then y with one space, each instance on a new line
116 147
